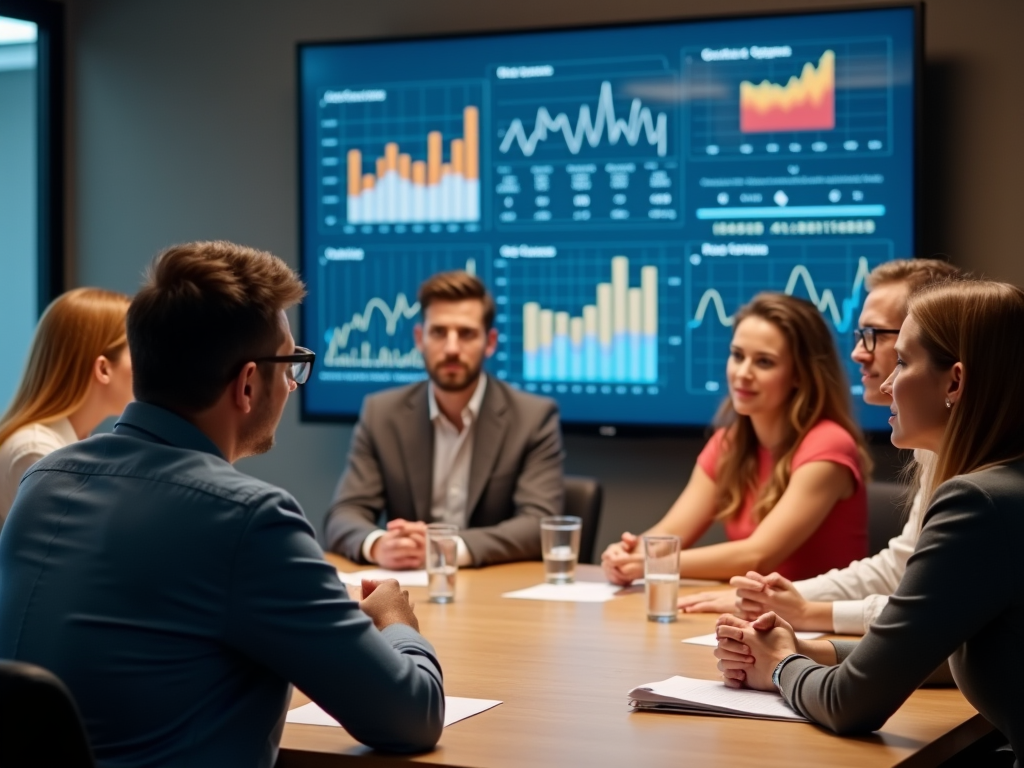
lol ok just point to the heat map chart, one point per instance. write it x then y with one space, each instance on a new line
810 99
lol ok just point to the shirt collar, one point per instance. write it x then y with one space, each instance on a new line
472 407
64 430
158 425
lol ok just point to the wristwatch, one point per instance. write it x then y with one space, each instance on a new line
777 674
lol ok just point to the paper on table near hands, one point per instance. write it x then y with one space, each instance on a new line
712 640
687 695
455 709
575 592
404 578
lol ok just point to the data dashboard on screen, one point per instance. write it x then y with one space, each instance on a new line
620 190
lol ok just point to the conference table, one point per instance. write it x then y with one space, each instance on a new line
562 671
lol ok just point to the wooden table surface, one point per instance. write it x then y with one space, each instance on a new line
563 670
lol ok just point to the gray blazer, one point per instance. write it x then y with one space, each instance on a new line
515 475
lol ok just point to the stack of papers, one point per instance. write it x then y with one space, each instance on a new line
455 709
711 697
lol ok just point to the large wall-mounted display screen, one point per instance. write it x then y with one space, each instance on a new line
621 191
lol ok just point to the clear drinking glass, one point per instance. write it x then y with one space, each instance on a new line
560 545
442 561
661 577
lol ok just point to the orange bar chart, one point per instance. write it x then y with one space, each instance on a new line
805 103
404 190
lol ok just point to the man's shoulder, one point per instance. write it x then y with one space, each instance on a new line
130 460
387 400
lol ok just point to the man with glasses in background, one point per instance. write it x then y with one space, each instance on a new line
847 600
178 598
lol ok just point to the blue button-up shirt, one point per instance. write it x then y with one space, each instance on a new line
177 598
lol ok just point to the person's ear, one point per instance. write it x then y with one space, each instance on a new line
243 386
955 385
417 334
492 342
101 369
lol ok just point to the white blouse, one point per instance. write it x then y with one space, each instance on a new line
23 449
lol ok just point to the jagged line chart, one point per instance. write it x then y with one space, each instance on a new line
341 354
641 124
840 312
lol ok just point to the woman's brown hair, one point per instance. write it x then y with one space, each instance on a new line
974 322
821 392
75 329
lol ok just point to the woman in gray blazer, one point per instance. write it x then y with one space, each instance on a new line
956 391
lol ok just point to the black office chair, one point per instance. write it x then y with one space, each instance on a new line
887 513
39 722
583 500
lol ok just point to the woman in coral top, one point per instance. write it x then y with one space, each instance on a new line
786 468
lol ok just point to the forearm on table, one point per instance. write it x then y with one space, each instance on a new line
517 538
723 561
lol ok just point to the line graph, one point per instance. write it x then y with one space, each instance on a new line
825 301
605 124
366 307
829 274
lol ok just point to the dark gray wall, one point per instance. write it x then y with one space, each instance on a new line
183 127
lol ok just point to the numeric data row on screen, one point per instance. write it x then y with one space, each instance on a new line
615 340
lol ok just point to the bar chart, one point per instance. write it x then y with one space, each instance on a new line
613 340
407 191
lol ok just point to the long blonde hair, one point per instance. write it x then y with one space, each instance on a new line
974 322
75 329
821 392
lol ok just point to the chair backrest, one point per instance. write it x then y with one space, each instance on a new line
583 499
39 722
886 513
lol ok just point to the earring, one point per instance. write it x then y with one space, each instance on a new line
948 404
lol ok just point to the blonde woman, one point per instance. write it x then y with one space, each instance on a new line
79 372
785 471
956 392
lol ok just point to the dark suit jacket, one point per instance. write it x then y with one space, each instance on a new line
515 475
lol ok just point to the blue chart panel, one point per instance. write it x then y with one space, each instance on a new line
365 300
593 320
397 158
819 98
586 142
829 274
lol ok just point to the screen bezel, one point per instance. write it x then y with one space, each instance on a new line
612 428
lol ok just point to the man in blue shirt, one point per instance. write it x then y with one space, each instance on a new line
177 597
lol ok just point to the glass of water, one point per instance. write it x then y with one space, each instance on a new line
661 577
442 561
560 546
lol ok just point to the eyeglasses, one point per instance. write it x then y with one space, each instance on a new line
301 363
868 336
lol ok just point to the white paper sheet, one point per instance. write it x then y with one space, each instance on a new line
405 578
712 697
711 641
577 592
685 583
455 709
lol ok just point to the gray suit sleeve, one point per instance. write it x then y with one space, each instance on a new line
290 613
956 582
539 492
359 498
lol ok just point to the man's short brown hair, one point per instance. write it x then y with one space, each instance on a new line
204 310
914 272
457 285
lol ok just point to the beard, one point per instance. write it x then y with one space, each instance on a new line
454 380
259 434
